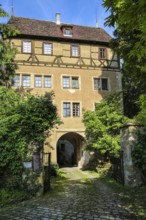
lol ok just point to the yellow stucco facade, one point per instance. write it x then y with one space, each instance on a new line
73 80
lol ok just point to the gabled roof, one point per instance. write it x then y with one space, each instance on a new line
39 28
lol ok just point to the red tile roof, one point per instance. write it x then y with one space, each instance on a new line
39 28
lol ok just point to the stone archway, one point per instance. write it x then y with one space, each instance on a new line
69 149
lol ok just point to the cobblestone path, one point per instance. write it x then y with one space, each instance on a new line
84 198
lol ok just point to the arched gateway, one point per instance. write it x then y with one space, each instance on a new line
69 149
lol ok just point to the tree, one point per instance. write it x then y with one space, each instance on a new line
7 53
103 125
129 19
24 121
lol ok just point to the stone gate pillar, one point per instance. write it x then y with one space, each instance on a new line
132 175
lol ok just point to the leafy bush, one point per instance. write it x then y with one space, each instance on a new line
139 151
12 196
24 120
103 125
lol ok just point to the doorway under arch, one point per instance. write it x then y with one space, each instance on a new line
69 149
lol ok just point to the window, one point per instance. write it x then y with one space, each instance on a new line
75 51
102 53
75 82
104 84
67 32
16 80
38 81
96 83
26 80
71 107
66 82
66 109
47 48
76 109
101 84
47 81
70 82
26 46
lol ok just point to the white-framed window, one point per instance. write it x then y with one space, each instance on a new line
76 109
66 109
47 48
16 80
66 82
75 82
102 53
71 109
38 81
70 82
104 84
47 82
26 80
101 84
26 47
75 51
96 83
67 32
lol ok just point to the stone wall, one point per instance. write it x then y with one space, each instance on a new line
132 175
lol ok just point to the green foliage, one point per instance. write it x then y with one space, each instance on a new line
24 121
103 125
30 183
10 197
7 53
139 148
139 151
129 19
141 116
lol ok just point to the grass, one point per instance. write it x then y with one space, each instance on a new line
58 184
8 197
132 197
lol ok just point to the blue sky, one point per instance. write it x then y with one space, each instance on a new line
82 12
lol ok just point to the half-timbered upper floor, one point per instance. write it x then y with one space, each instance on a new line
64 45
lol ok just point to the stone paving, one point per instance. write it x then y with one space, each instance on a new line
84 198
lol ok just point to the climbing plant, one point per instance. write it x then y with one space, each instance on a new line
24 120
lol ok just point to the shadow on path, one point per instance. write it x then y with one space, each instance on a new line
83 197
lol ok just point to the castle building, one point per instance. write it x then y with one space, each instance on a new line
76 63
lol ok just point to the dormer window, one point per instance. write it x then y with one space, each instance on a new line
67 32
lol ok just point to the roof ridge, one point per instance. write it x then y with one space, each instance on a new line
62 23
41 28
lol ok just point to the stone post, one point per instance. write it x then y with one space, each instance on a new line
132 175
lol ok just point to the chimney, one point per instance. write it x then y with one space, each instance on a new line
58 18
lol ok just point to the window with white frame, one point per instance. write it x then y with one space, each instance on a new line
104 84
96 83
38 81
66 82
26 80
16 80
75 82
47 82
26 47
70 82
76 109
71 109
47 48
75 51
101 84
66 109
102 53
67 32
